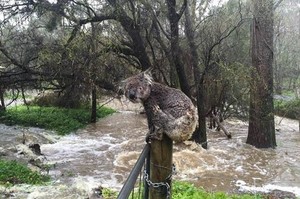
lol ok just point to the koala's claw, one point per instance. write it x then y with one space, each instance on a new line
154 135
148 137
156 108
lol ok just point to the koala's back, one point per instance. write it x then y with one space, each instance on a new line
176 115
171 100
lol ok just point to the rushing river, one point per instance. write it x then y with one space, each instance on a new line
103 154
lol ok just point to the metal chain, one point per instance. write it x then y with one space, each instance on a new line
160 184
172 173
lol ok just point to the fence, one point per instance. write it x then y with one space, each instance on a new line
156 158
128 188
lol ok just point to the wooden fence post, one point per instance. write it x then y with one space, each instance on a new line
161 159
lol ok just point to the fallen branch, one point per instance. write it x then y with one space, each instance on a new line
221 126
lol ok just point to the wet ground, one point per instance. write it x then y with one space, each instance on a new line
104 153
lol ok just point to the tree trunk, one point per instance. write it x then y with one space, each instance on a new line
199 136
174 17
261 132
277 66
138 45
94 105
92 64
133 30
2 102
172 71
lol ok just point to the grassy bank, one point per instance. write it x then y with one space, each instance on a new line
61 120
12 172
186 190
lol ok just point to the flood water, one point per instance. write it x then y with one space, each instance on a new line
103 154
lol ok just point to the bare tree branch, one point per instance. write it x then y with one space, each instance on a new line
181 11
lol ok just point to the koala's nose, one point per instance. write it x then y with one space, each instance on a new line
131 95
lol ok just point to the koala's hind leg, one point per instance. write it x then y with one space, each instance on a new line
161 122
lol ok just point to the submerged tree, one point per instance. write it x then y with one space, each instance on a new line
261 132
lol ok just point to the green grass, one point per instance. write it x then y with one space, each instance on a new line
61 120
12 173
186 190
109 194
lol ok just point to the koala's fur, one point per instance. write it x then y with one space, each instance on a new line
168 110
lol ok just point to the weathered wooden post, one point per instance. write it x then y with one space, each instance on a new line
161 157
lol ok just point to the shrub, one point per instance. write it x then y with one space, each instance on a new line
63 100
290 109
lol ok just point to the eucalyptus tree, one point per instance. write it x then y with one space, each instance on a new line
261 130
18 58
63 51
206 31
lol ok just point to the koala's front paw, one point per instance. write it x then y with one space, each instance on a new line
156 108
157 135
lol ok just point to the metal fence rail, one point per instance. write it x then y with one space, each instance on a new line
128 187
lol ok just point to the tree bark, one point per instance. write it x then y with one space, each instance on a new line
2 102
172 71
133 30
174 17
92 65
261 131
199 136
94 105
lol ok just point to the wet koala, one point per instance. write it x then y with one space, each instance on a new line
168 110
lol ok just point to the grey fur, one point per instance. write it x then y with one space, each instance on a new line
168 110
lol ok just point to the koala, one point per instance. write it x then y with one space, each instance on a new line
168 109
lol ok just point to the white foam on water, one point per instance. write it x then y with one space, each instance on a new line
88 183
239 168
126 159
70 147
267 188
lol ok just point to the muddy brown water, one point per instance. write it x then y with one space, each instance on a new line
103 154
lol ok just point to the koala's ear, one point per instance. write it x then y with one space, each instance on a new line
147 76
121 86
149 71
